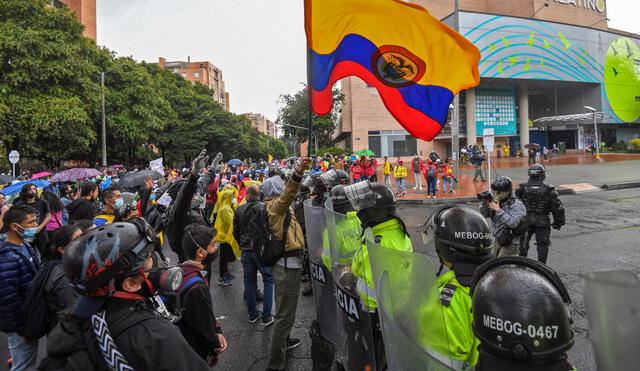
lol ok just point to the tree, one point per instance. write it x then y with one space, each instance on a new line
295 111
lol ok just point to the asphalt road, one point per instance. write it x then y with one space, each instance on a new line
601 234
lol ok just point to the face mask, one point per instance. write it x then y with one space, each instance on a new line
27 232
499 196
210 258
31 195
119 203
164 280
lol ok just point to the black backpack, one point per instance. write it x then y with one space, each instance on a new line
38 319
268 248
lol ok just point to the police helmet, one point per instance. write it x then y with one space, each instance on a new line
365 195
458 232
521 310
537 172
102 255
502 184
343 177
341 203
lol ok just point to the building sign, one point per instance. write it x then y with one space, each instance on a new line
597 5
496 109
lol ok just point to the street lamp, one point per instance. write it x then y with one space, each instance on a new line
315 138
455 137
595 128
104 124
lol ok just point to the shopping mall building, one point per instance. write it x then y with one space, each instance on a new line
540 59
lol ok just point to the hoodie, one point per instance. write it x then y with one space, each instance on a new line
81 209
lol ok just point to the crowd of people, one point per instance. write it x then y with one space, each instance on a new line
87 263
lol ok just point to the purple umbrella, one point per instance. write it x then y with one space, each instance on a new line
74 174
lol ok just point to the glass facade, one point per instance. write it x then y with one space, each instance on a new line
392 143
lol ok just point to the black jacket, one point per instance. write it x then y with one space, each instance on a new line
243 231
59 295
81 209
179 215
540 199
146 341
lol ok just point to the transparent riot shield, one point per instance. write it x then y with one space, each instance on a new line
324 289
352 296
613 309
413 324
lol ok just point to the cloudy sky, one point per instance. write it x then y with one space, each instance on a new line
258 44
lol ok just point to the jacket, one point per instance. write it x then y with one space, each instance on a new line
146 341
18 267
368 169
390 235
242 231
276 212
540 199
224 220
400 171
356 170
179 215
387 168
58 293
198 323
446 325
81 209
512 212
414 168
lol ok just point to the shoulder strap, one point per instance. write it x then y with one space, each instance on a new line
447 294
285 228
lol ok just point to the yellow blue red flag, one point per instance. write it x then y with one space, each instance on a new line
417 63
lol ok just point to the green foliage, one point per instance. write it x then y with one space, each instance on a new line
634 145
295 111
334 151
50 97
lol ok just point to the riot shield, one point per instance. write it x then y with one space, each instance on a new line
613 309
321 278
355 316
413 324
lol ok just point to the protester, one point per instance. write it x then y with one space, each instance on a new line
198 323
387 170
286 272
431 175
3 209
417 168
29 197
447 177
58 211
229 249
356 171
112 203
84 206
19 264
245 217
476 160
400 173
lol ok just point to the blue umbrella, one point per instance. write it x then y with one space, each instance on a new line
15 188
234 162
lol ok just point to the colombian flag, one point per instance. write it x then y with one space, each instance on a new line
416 62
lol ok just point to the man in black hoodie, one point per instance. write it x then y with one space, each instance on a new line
84 207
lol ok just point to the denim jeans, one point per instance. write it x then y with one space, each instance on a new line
23 354
431 186
251 268
444 184
400 185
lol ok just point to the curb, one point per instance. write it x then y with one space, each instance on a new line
465 200
565 191
621 185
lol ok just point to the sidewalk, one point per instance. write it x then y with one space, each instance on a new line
578 172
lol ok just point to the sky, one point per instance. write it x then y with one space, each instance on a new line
258 44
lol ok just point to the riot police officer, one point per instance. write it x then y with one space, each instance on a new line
517 331
325 182
540 199
463 241
508 215
375 206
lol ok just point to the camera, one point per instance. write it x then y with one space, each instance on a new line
485 196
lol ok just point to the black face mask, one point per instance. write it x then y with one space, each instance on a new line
165 280
29 195
210 258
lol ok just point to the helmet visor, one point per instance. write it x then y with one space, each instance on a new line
329 178
307 182
361 195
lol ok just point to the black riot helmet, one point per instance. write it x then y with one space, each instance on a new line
537 172
459 234
521 312
341 203
502 184
95 260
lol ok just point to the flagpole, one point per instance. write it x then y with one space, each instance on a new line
309 96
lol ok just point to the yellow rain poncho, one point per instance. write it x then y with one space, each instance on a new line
224 221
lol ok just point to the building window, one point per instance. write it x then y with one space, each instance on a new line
392 143
184 75
196 74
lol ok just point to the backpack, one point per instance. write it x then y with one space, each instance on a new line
268 249
431 172
38 319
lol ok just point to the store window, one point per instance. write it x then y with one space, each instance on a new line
392 143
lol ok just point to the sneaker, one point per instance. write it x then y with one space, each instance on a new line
224 282
268 322
229 276
255 318
292 343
